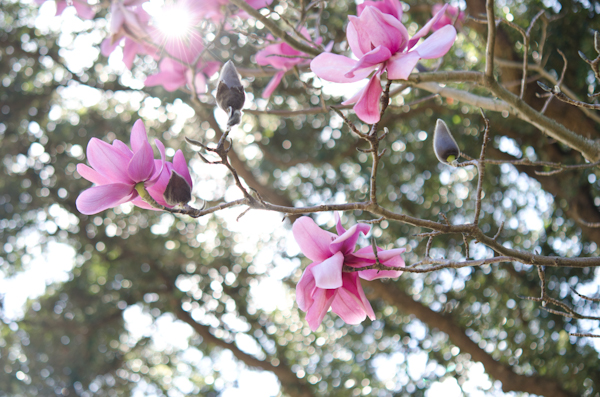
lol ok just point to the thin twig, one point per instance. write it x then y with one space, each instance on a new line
481 168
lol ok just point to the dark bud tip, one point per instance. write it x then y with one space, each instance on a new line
230 92
235 117
445 147
178 191
544 86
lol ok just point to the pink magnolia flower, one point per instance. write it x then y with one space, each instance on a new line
174 75
84 10
270 56
381 43
452 14
157 190
130 22
116 170
324 284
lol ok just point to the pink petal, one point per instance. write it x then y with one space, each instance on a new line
425 29
141 166
116 18
370 60
332 67
84 10
367 106
322 299
256 4
60 6
159 165
350 302
347 241
338 224
328 274
313 241
180 165
139 136
268 56
100 198
108 45
268 91
392 7
437 44
366 257
305 288
92 175
358 40
401 66
382 29
108 161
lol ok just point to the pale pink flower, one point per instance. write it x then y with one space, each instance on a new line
116 170
381 43
174 75
129 23
324 284
84 10
452 14
270 56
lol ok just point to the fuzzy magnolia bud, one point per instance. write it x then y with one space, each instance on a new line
178 191
230 93
445 147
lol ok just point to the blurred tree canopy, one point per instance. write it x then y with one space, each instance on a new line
135 273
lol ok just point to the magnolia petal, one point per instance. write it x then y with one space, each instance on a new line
108 161
338 224
347 241
370 60
92 175
180 165
332 67
438 44
322 299
328 274
100 198
400 66
313 241
305 288
141 167
268 91
358 39
108 46
366 257
83 10
138 135
427 27
367 106
382 29
159 165
351 303
60 7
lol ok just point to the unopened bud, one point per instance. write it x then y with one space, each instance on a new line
230 93
178 191
445 147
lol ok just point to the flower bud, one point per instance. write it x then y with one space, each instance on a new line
230 93
178 191
445 147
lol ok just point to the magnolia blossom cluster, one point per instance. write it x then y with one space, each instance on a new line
380 43
324 284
